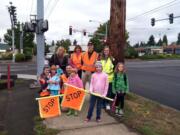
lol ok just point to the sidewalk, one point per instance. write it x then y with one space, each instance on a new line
69 125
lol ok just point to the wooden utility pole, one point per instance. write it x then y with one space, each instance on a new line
116 38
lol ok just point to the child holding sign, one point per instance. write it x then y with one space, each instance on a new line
54 81
120 88
74 80
43 80
99 84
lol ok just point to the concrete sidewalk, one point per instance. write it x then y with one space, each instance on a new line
69 125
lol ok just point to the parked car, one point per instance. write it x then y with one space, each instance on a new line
48 56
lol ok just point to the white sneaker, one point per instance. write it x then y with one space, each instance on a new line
121 112
108 107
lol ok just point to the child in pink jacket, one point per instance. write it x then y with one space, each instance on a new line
99 84
74 80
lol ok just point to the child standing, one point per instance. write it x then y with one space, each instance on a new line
99 84
43 80
74 80
120 88
54 81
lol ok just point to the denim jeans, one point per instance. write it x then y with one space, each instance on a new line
93 101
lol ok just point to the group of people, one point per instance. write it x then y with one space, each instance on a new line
99 70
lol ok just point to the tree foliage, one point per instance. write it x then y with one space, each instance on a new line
165 40
178 39
27 39
64 43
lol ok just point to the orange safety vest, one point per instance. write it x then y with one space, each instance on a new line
89 64
76 60
64 79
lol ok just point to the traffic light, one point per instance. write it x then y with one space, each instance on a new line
171 18
84 32
44 26
29 27
153 21
70 30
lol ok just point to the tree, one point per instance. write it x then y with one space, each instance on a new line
64 43
27 39
151 41
165 40
178 39
52 43
117 32
159 43
99 35
137 45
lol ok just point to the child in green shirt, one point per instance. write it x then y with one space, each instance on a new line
120 87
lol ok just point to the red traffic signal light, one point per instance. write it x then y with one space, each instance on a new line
171 18
70 30
84 33
153 21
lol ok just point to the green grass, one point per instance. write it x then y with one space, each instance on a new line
41 129
3 133
150 118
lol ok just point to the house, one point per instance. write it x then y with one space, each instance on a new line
149 50
4 48
172 49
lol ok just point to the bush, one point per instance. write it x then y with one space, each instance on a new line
6 56
28 53
131 53
19 57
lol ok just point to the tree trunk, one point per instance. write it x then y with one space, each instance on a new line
116 38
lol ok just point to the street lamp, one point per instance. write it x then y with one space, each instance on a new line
100 24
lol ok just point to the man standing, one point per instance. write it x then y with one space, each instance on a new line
89 59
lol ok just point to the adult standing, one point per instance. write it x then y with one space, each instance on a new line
76 59
108 67
89 59
59 58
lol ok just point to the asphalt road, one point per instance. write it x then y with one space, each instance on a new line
156 80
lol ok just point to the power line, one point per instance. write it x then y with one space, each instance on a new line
32 3
154 10
53 7
48 3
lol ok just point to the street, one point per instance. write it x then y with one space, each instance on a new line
156 80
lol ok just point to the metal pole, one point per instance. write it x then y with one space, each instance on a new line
106 31
21 39
13 57
40 37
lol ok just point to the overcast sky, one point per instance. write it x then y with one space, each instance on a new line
77 13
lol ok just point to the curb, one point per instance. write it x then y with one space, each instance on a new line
26 76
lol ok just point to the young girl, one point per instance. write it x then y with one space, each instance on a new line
43 80
54 81
59 70
74 80
99 84
120 88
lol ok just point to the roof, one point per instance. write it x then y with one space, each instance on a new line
4 46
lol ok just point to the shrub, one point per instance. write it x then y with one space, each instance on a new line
6 56
19 57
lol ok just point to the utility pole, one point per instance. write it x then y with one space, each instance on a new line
40 37
116 39
12 12
21 38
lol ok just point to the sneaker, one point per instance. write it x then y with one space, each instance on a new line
75 113
98 120
121 112
87 120
108 107
116 111
69 112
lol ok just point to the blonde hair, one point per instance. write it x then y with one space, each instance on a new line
60 48
116 68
